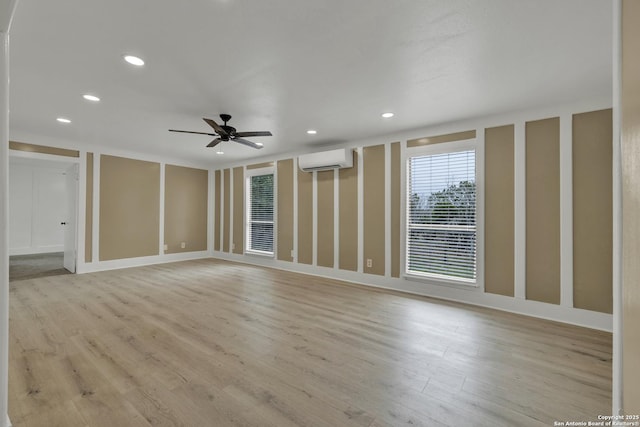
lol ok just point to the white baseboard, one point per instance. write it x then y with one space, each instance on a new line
474 296
36 250
139 262
573 316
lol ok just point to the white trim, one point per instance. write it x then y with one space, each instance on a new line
142 261
36 250
520 211
480 223
260 171
566 210
8 421
210 209
360 254
95 232
161 212
387 209
617 408
314 218
403 207
574 316
4 217
336 219
17 154
275 209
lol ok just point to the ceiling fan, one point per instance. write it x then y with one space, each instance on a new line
228 133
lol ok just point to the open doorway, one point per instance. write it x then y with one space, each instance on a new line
42 217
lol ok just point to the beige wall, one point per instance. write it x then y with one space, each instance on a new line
438 139
284 219
374 209
226 213
593 211
543 210
129 208
305 217
499 210
217 210
325 219
260 165
541 217
238 210
348 216
185 209
630 91
396 209
88 227
42 149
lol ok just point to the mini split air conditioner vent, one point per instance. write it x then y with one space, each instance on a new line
326 160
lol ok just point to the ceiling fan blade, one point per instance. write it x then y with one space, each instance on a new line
216 127
214 142
249 143
255 133
188 131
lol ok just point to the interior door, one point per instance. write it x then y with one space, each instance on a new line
70 224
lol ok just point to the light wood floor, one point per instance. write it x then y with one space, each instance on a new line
212 343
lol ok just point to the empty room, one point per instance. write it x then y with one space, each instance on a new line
333 213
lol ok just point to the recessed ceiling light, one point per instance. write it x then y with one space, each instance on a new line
63 120
134 60
259 144
219 152
91 98
387 115
312 132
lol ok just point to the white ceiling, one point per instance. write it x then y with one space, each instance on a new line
291 65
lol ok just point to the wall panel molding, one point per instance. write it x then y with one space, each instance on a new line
499 210
373 165
543 210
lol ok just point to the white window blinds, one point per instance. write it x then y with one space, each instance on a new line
260 214
441 215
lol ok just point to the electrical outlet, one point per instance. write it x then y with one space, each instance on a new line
166 247
369 263
233 246
293 254
183 245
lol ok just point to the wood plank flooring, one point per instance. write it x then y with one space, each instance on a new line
213 343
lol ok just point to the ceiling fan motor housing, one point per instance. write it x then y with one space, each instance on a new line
228 133
230 130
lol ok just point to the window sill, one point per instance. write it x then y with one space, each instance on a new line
260 254
441 281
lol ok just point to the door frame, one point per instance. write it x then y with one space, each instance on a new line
63 162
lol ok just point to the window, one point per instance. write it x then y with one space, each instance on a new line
441 214
260 214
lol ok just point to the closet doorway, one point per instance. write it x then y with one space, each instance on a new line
42 217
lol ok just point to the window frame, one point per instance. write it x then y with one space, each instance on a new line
249 173
476 144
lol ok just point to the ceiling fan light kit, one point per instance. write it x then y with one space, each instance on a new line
225 132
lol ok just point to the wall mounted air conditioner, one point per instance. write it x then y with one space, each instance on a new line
326 160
